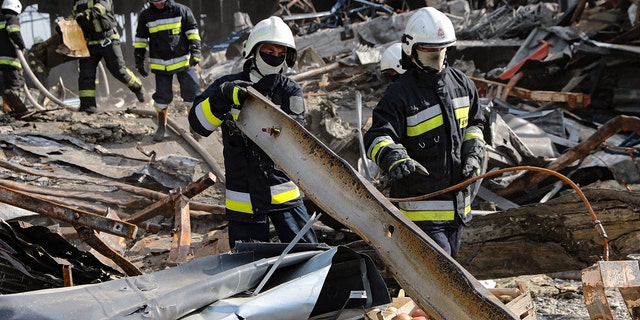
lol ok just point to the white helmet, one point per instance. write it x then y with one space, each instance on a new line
392 58
428 26
13 5
271 30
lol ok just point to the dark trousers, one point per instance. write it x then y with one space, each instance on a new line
448 237
114 62
287 224
189 86
12 84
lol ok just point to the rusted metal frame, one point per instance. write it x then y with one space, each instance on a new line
89 236
181 243
67 275
438 284
67 214
620 123
624 275
571 98
147 193
164 206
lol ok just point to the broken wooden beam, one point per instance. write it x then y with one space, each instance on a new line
67 214
495 89
551 237
164 206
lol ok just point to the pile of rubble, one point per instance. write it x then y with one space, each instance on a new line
559 90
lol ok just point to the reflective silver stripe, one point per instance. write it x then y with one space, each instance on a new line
438 205
461 102
170 61
203 119
161 22
238 201
423 115
284 192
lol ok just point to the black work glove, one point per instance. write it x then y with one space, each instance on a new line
140 67
83 21
395 160
472 157
235 91
196 56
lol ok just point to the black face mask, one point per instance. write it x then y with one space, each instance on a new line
271 60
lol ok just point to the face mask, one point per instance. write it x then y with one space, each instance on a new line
268 64
432 60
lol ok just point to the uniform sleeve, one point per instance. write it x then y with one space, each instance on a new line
388 123
191 29
141 40
476 125
210 109
13 29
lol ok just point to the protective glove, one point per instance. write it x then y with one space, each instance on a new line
140 67
472 157
398 164
196 56
235 91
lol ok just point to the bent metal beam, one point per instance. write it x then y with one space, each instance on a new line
438 284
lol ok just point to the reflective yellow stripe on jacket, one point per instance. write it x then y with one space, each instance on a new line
241 201
169 65
206 117
376 146
432 118
432 210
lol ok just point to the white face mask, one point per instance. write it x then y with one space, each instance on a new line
265 68
433 60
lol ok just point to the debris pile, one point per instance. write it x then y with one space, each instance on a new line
559 89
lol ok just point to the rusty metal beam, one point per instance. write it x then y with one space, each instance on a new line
89 236
164 206
497 89
438 283
61 212
181 243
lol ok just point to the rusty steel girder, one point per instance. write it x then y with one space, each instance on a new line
438 284
623 275
61 212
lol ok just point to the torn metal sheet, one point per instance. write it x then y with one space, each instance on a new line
322 287
532 136
32 258
177 292
624 168
172 171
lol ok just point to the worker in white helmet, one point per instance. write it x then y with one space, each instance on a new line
391 62
427 131
257 190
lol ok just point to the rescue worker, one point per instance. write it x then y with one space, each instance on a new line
427 131
170 32
99 26
257 190
391 62
10 66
